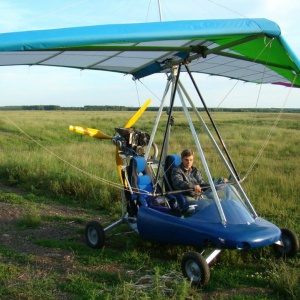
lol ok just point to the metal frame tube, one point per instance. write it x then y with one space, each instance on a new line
212 122
176 71
113 225
219 151
212 256
158 118
203 160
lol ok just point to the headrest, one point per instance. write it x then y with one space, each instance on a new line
140 164
173 160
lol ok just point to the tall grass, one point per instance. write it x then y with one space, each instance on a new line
46 159
50 159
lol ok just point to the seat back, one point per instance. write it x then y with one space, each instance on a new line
140 180
172 161
139 177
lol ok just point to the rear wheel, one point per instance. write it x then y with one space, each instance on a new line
195 268
94 234
290 242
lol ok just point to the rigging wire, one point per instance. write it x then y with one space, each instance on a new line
267 45
229 92
105 181
225 7
265 68
159 10
263 75
111 183
59 10
267 140
259 92
137 93
148 11
158 98
270 134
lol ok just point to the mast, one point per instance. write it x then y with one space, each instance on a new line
159 8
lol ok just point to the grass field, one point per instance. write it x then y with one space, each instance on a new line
53 181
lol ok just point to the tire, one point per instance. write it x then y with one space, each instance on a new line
195 268
94 235
291 243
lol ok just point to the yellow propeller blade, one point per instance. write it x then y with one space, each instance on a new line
137 115
90 132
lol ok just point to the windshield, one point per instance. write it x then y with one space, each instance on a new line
233 206
225 191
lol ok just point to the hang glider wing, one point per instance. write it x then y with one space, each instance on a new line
252 50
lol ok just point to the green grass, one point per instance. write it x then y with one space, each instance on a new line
56 181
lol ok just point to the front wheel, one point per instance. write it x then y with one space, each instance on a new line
195 268
94 235
290 242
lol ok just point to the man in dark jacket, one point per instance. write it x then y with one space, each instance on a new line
187 178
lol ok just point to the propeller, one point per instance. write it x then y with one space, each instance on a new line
90 132
96 133
137 115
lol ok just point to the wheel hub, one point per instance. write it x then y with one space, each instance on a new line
93 236
193 270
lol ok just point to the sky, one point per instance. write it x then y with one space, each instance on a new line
23 85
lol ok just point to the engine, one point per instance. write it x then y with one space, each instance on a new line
131 141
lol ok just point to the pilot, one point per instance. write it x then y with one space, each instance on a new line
188 178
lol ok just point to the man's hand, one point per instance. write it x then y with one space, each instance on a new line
197 189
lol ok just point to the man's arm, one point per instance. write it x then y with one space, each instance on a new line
199 178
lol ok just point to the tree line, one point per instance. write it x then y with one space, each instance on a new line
131 108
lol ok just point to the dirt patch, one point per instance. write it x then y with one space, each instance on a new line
23 241
27 250
11 189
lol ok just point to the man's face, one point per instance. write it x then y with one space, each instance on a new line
187 161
